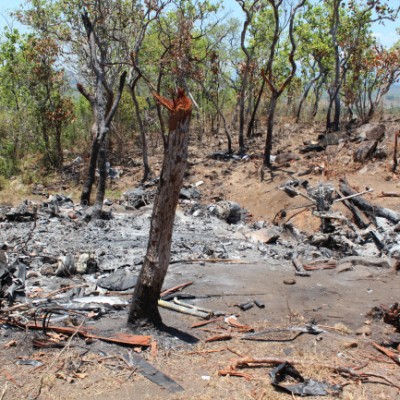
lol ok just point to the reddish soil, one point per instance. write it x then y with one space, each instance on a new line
338 302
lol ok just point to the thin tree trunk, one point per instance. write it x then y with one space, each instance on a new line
270 129
87 186
101 186
221 114
317 94
144 305
329 116
146 166
304 97
58 145
250 127
335 95
241 108
394 167
158 107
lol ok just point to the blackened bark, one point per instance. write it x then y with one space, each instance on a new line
151 278
104 107
367 207
268 74
317 94
101 185
334 96
394 166
87 186
270 130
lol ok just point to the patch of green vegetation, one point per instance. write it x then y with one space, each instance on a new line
3 183
113 194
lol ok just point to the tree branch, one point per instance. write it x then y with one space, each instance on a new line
114 107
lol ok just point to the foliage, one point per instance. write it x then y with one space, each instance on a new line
34 107
189 43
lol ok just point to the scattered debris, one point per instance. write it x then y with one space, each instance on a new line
153 374
218 338
304 387
389 313
395 356
263 335
183 309
246 306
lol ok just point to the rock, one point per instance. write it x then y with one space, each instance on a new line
119 280
138 197
32 274
264 235
283 158
289 281
351 344
3 262
23 213
365 151
227 211
259 225
371 132
380 153
86 264
331 138
47 270
331 150
72 215
59 199
364 330
189 193
310 148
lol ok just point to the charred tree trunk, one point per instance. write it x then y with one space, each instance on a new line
104 107
334 98
268 76
317 94
103 118
87 186
270 130
242 99
394 167
101 186
367 207
144 306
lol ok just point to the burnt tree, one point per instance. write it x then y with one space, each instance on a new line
104 106
144 307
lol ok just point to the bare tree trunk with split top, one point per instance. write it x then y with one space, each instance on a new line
144 306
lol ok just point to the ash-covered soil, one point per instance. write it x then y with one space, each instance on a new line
229 264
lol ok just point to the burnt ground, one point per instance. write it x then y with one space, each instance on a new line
229 264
